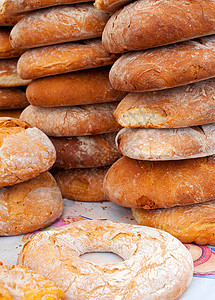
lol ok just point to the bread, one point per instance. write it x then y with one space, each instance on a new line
76 88
161 184
165 67
184 106
58 59
58 24
156 265
12 98
6 50
110 6
25 152
85 151
13 7
23 283
30 205
11 113
151 19
73 120
9 21
82 184
190 223
167 143
8 74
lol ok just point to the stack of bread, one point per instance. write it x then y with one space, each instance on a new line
71 98
12 90
167 171
30 198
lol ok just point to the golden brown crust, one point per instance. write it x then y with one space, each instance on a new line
9 21
73 120
30 205
64 58
151 19
23 283
82 184
165 67
6 50
85 151
12 113
8 74
12 98
184 106
76 88
190 223
167 143
25 152
59 24
110 6
149 185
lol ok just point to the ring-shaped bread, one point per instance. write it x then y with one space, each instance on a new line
156 265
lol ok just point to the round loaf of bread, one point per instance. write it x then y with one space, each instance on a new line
12 98
82 184
23 283
9 21
85 151
147 184
13 7
73 120
6 50
30 205
11 113
64 58
156 265
167 143
58 24
190 223
8 74
165 67
25 152
110 6
76 88
150 19
183 106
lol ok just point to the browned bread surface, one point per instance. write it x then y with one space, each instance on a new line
63 58
82 184
167 143
150 23
110 6
9 21
76 88
30 205
6 50
183 106
190 223
73 120
58 24
161 184
11 113
85 151
165 67
25 152
12 98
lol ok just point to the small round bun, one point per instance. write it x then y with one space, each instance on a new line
58 24
73 120
75 88
6 50
64 58
85 151
25 152
8 74
23 283
183 106
156 265
167 143
190 224
165 67
160 184
30 205
82 184
12 98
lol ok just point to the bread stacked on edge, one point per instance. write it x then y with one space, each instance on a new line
72 100
167 171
